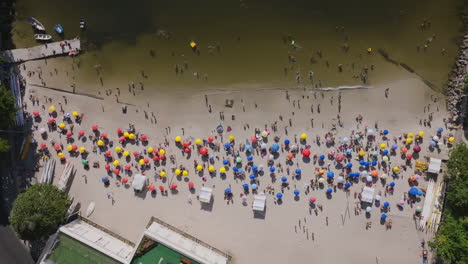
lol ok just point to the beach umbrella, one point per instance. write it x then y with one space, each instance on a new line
287 142
383 146
385 132
284 179
161 188
279 196
385 152
418 209
107 167
100 143
118 149
378 197
177 139
43 145
231 138
321 180
238 160
51 108
339 157
298 171
124 180
383 216
173 186
370 132
369 178
306 152
440 130
248 147
191 185
303 136
374 173
254 186
275 147
144 137
245 186
162 174
409 156
368 209
415 191
294 147
94 127
254 168
128 167
104 135
340 179
394 146
349 165
451 139
409 140
252 176
322 157
347 185
185 173
222 170
199 167
116 171
386 204
204 151
330 175
296 192
384 176
116 162
105 179
131 136
210 139
329 190
211 168
345 140
253 139
228 191
396 169
272 169
250 158
60 155
392 184
151 188
312 199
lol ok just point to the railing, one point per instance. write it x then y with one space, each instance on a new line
154 219
89 222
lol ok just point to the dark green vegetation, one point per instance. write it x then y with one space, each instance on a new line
39 211
451 241
7 113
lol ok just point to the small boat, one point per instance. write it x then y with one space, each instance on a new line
90 209
82 24
36 24
43 37
59 29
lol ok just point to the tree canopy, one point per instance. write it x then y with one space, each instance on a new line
38 212
7 108
451 241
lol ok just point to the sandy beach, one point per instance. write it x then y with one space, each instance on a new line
291 231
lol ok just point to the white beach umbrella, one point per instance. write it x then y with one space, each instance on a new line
263 146
340 179
368 209
378 197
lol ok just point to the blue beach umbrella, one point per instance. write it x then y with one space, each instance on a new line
104 179
414 191
252 176
250 158
432 143
296 192
235 169
394 146
374 163
330 174
248 147
225 162
322 157
272 169
254 168
362 163
245 186
279 195
298 171
392 184
347 185
385 152
385 132
240 170
366 164
228 191
329 190
440 130
386 204
286 142
349 165
275 147
349 151
284 179
383 216
227 145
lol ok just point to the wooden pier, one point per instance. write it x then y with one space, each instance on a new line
42 51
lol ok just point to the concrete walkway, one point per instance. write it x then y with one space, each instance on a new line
41 51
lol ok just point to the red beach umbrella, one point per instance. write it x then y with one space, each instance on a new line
416 148
173 186
51 120
95 127
124 180
187 150
162 157
108 153
116 171
35 113
191 185
312 199
144 137
161 188
290 156
409 156
185 144
74 147
43 145
146 160
119 131
339 157
128 167
122 139
151 187
253 139
69 134
104 135
210 139
107 167
136 154
204 151
56 146
156 158
81 133
306 152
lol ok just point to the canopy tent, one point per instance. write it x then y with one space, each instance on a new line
139 182
367 194
434 165
205 195
259 202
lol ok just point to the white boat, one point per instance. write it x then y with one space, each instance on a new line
82 24
90 209
36 24
63 180
43 37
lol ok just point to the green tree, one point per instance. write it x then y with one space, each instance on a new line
4 145
451 241
7 108
38 212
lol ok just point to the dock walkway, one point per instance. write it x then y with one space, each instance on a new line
42 51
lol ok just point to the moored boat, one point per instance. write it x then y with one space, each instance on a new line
82 24
43 37
36 24
59 29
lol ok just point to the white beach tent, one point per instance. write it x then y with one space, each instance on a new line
205 195
367 194
139 182
434 166
259 202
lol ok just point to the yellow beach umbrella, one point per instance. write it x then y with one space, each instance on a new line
69 147
383 146
396 169
178 139
162 174
162 152
451 139
177 171
264 134
116 162
141 162
198 141
303 136
126 134
118 149
199 167
231 138
75 113
211 168
61 125
421 134
131 136
60 155
411 135
362 153
222 170
185 173
51 108
100 143
150 150
126 153
409 140
82 150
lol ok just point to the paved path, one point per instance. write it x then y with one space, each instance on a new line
42 51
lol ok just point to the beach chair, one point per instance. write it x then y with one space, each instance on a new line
205 195
259 202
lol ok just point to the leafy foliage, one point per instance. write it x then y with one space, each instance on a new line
7 108
451 241
39 211
4 145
